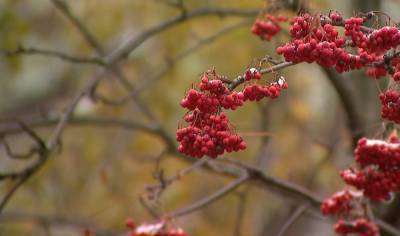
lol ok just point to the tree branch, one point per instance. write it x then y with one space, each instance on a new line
132 43
298 212
170 63
21 50
210 198
240 79
66 11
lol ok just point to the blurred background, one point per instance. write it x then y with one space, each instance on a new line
95 178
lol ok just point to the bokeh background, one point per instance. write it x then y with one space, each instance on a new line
95 179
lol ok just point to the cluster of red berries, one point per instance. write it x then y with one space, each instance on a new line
379 173
159 229
340 203
268 27
352 28
208 132
378 41
396 71
343 204
383 39
321 45
317 40
212 95
377 177
382 69
385 155
361 227
376 185
335 17
377 72
390 101
375 44
300 26
256 92
252 73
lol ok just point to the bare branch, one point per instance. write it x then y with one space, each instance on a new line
13 155
242 197
64 8
210 198
132 43
21 50
156 190
292 219
103 122
13 189
153 212
170 63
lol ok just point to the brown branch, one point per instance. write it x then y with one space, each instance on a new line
39 149
75 121
65 117
22 176
66 11
170 64
210 198
103 122
22 156
12 190
153 212
21 50
241 207
240 79
132 43
292 219
114 69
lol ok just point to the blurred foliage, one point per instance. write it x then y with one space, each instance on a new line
100 172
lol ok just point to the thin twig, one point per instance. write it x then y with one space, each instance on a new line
242 197
21 50
170 64
210 198
292 219
133 42
240 79
83 121
64 8
22 156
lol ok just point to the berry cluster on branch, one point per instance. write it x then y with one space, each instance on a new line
390 101
377 177
209 131
268 27
361 227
